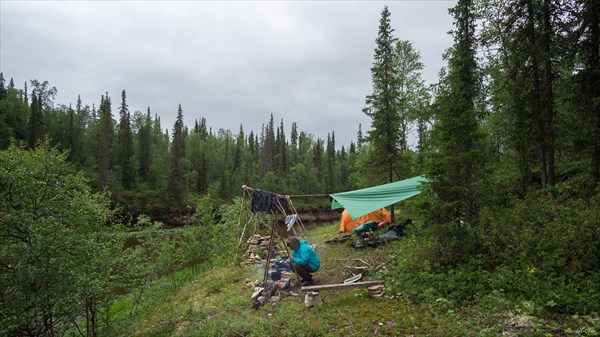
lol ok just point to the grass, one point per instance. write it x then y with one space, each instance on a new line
217 303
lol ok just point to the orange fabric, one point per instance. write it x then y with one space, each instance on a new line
348 225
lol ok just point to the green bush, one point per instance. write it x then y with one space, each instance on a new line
61 257
551 237
542 248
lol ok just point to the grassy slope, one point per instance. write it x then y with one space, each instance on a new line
218 304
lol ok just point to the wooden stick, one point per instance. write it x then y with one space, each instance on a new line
386 262
267 265
342 285
356 260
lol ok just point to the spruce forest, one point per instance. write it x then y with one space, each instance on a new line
508 138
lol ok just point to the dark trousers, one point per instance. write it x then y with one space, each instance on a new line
303 270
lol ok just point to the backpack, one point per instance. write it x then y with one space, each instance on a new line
401 227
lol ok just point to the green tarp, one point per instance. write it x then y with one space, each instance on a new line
367 200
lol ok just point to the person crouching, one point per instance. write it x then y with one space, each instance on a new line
304 260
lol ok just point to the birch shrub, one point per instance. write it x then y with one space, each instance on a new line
59 259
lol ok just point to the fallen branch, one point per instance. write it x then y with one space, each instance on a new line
359 260
386 262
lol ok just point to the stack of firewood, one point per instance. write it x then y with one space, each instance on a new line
256 243
376 290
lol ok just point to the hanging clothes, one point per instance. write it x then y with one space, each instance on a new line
263 201
290 220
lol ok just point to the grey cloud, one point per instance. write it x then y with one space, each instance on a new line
230 62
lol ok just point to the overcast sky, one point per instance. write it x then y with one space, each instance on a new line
231 62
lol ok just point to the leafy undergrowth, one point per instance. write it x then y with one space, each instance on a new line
218 304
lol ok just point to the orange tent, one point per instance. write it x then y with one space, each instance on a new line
348 224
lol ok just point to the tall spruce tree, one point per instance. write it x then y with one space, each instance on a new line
251 146
318 159
159 167
202 179
105 140
145 147
268 147
532 38
71 134
14 118
294 144
25 93
382 105
330 178
587 76
125 148
225 169
360 139
2 87
281 150
44 100
198 148
239 148
524 33
457 166
177 186
548 110
277 153
36 122
344 169
80 124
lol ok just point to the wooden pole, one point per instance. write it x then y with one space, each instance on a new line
342 285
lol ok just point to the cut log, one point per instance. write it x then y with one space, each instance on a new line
342 285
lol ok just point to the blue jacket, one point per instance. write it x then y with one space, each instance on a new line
306 255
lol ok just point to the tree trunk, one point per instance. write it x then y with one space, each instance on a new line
91 315
538 115
391 176
549 91
594 86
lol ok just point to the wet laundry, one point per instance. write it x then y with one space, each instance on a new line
263 201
